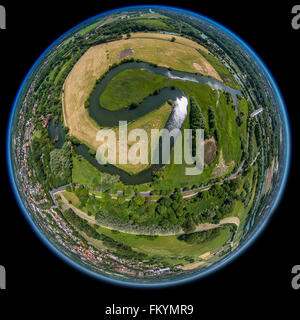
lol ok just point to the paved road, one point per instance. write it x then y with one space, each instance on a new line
54 191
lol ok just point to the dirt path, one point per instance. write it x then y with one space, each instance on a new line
221 168
201 227
209 226
218 100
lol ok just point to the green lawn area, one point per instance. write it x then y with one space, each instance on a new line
243 111
175 176
84 173
153 23
243 214
71 197
133 85
150 14
249 177
167 246
229 131
52 74
88 28
130 86
62 69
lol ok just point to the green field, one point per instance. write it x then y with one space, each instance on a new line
84 173
244 213
72 198
229 131
174 174
167 246
229 134
88 28
150 15
130 86
152 23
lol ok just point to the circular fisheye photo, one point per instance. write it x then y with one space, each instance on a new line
148 146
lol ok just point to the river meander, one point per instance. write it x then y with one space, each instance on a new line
107 118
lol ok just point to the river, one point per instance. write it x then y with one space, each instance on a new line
107 118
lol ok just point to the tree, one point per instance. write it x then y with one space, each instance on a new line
139 201
133 105
247 186
189 226
61 165
87 104
197 121
108 181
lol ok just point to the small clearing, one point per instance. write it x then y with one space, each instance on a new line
210 150
221 168
126 53
193 265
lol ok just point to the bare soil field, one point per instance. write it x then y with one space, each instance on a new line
193 265
221 168
210 150
209 226
126 53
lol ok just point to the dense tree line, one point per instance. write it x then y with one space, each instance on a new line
167 215
109 183
200 237
81 224
61 165
197 121
212 123
51 167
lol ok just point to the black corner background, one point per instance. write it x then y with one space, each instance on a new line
261 277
